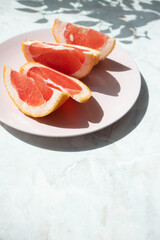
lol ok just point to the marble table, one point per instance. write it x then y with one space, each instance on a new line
100 186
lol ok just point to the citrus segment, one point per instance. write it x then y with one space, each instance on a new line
83 36
73 60
27 89
52 78
32 97
77 35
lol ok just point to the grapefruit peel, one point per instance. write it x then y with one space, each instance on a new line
64 32
44 108
76 61
59 94
53 77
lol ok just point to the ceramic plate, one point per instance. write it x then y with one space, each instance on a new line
115 84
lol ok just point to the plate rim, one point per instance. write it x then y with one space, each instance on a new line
86 130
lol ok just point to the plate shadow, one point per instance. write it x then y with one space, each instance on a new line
100 80
74 115
101 138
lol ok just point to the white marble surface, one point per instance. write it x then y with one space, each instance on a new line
102 186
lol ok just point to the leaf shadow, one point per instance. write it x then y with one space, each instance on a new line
42 20
121 19
29 10
31 3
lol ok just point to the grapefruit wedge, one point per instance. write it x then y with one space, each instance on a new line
76 61
31 95
64 32
54 79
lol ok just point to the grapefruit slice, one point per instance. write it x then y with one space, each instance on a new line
72 60
54 79
32 96
74 34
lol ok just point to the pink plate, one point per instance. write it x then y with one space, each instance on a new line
115 84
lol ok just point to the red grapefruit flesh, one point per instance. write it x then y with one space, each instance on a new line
64 32
72 60
32 96
54 79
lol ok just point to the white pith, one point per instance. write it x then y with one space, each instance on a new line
104 51
91 55
62 46
59 28
84 94
41 110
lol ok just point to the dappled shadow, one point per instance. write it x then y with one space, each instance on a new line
121 19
